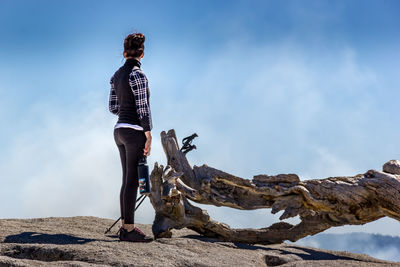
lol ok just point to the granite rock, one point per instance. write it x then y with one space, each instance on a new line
80 241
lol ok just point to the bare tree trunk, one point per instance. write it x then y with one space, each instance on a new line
320 203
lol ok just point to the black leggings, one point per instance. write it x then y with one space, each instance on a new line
130 144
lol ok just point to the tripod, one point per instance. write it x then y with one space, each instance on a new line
109 229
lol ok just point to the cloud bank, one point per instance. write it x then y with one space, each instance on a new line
257 109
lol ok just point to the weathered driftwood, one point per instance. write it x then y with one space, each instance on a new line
320 204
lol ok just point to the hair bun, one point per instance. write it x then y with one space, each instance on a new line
139 37
134 44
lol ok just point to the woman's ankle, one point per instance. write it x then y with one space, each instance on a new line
129 227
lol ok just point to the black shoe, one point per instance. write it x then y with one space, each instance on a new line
136 235
119 233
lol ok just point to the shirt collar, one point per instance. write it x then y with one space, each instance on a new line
133 62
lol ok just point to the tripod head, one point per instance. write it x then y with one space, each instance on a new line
187 143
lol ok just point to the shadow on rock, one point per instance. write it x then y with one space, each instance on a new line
305 254
311 254
39 238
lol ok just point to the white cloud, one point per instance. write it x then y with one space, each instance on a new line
257 109
325 164
67 166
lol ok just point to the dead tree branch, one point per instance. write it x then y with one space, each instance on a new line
320 203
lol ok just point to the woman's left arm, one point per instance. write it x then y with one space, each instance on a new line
113 105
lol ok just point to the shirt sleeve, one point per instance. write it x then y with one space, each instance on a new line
113 105
139 85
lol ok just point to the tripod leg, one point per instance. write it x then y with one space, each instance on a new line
109 229
140 202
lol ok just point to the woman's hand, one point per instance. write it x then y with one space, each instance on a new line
147 145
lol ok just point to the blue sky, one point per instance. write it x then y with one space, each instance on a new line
308 87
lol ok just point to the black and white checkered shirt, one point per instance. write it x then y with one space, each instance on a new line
139 86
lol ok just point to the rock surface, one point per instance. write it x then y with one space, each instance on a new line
80 241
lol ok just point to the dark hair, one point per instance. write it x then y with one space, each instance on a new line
134 45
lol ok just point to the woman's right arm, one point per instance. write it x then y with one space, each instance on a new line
139 85
147 145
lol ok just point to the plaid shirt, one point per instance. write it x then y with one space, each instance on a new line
140 89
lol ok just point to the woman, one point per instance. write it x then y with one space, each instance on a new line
129 99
